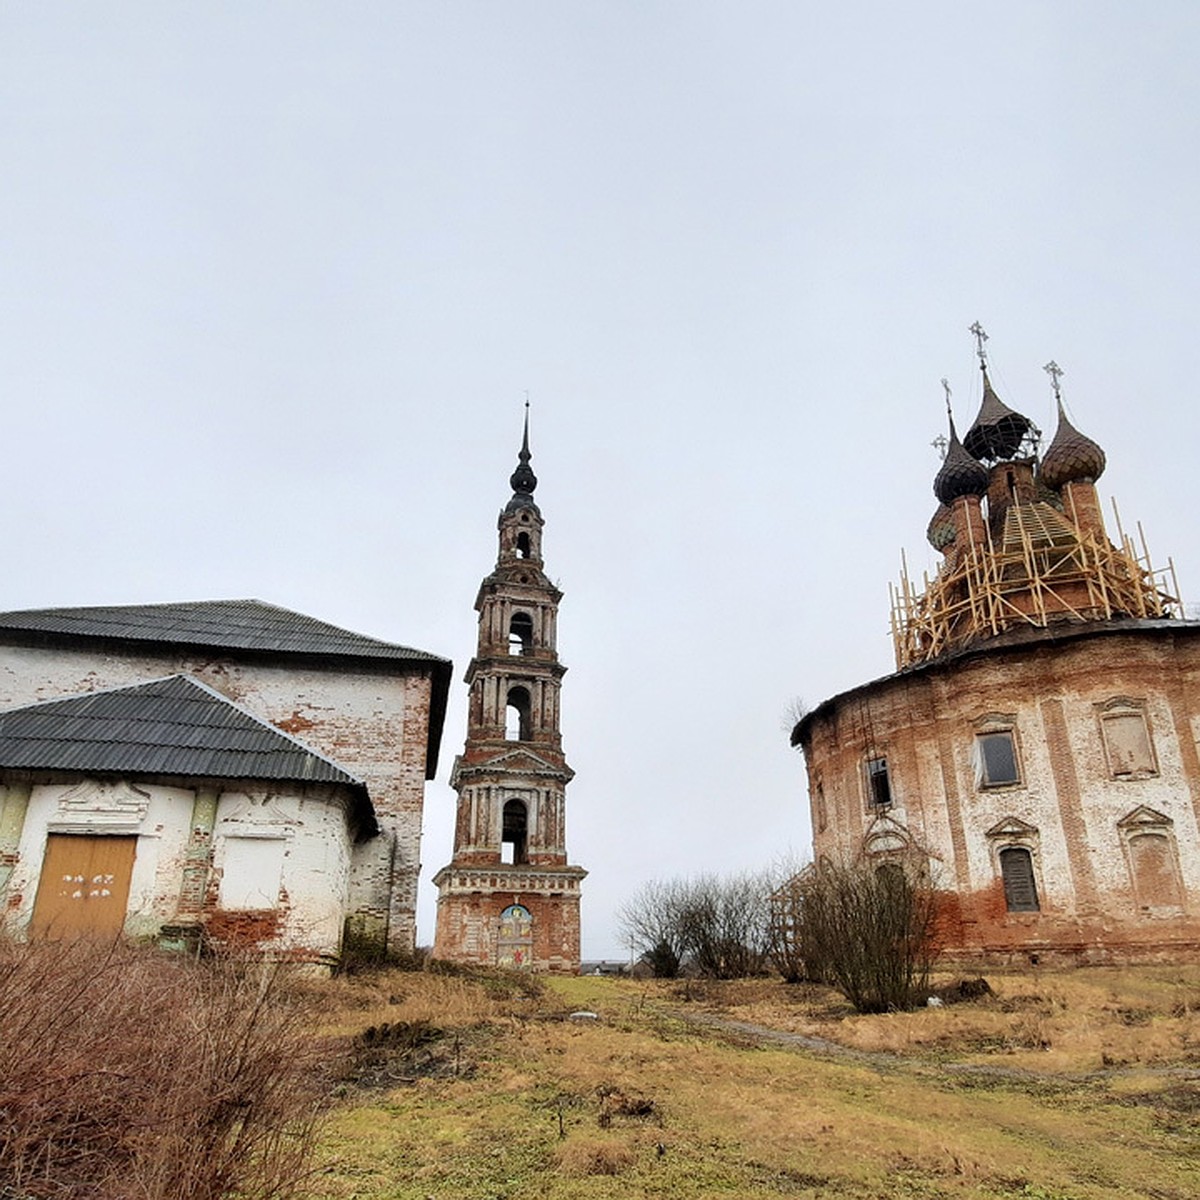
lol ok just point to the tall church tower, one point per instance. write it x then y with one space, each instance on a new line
509 897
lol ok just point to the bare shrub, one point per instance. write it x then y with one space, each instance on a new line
866 929
727 928
127 1073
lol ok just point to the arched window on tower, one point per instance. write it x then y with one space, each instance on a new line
516 715
520 634
522 544
513 836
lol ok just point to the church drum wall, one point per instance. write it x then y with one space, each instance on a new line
1078 820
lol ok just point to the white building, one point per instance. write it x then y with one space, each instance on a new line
225 768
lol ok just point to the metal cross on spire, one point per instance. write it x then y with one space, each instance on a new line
941 443
1056 373
980 339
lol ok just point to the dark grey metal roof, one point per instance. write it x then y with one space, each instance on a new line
215 624
175 726
247 627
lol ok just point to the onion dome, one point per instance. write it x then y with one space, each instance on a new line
1071 456
523 481
961 473
940 530
998 430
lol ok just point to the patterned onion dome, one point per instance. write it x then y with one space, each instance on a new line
940 531
961 474
998 430
1071 456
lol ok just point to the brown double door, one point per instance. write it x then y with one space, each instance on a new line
84 885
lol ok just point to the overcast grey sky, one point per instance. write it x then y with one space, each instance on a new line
274 278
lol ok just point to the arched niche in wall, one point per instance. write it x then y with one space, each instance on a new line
1152 857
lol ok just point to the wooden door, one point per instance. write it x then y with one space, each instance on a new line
84 885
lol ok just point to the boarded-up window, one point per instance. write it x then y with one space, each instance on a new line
879 787
251 872
997 758
1020 888
1127 741
1155 880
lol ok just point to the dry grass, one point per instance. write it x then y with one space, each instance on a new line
549 1107
1061 1021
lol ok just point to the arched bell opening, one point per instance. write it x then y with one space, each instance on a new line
514 838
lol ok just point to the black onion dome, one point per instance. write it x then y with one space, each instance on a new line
523 481
998 429
940 530
1071 456
961 474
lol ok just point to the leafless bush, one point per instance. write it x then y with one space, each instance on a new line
127 1074
718 927
867 929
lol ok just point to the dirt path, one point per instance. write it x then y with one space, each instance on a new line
883 1060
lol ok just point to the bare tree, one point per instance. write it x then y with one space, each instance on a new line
652 922
717 926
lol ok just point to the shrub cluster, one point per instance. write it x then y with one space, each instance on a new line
126 1072
867 928
715 927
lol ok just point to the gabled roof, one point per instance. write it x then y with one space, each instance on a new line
249 627
175 726
213 624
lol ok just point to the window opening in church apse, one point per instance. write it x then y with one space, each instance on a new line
1020 887
516 715
520 634
997 759
514 836
522 544
879 786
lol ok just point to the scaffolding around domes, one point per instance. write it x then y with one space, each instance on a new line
1042 571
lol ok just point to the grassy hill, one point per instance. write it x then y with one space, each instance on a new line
1063 1085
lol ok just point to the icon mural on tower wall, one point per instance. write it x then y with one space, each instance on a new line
516 937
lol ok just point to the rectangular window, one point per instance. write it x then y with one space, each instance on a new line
1020 887
879 788
997 759
1127 741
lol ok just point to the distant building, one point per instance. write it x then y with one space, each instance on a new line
223 769
509 896
1036 750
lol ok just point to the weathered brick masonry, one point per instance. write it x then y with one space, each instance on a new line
363 704
1036 752
509 895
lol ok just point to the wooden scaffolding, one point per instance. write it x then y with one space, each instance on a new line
1041 570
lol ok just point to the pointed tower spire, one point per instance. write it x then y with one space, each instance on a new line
523 481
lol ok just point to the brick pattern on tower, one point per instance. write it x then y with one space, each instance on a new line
509 896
